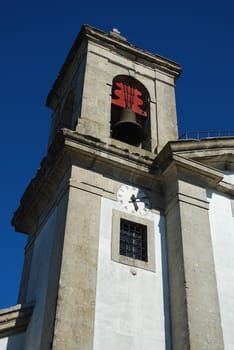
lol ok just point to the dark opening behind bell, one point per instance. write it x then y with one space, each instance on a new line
127 129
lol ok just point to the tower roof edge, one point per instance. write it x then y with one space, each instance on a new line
116 41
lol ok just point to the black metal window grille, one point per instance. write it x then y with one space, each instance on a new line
133 240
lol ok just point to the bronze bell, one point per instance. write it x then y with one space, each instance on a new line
127 129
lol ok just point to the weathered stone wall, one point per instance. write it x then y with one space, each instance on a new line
103 64
195 312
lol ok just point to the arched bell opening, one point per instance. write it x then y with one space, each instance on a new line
130 117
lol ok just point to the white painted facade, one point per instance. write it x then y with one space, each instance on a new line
38 282
222 232
36 292
131 303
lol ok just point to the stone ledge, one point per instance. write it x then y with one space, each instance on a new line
71 148
88 33
115 157
15 319
111 148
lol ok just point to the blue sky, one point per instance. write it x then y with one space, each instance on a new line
35 39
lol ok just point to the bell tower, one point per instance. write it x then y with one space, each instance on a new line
92 213
111 90
110 259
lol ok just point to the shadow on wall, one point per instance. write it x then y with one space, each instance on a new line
16 342
167 323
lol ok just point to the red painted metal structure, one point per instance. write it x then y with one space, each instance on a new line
127 96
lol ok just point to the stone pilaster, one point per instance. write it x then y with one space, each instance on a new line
195 313
74 323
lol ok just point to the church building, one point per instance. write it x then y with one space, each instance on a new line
130 229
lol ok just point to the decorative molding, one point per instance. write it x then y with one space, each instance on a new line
88 33
121 162
193 201
15 319
87 187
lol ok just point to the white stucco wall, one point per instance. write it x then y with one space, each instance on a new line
14 342
222 232
229 177
3 343
130 308
39 276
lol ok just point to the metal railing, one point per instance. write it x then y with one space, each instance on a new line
199 135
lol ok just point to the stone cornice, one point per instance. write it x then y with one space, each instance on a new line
92 34
184 156
199 151
15 319
187 168
72 148
112 150
190 148
41 188
115 159
198 168
165 64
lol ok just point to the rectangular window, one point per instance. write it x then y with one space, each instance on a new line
133 240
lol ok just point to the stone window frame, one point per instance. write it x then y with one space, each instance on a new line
115 242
